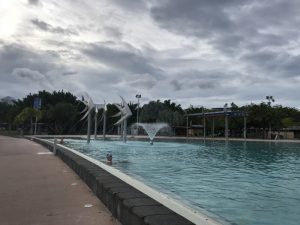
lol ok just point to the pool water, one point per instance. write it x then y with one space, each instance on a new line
245 183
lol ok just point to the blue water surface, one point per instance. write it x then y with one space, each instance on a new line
246 183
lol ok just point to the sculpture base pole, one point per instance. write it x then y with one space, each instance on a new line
96 126
89 128
125 131
104 124
122 131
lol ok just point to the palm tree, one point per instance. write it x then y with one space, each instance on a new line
270 99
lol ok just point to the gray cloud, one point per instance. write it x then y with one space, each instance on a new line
195 52
255 36
23 68
145 82
113 32
19 56
33 2
202 80
231 26
41 24
195 17
279 64
49 28
206 84
130 60
176 85
130 5
28 73
68 73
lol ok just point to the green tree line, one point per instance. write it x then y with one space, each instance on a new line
60 113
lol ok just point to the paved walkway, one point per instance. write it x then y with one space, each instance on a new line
37 188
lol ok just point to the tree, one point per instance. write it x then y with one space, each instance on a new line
27 115
8 113
287 122
62 116
270 99
167 111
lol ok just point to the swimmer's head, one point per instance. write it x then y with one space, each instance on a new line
109 157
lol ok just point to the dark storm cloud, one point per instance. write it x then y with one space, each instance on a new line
130 60
256 33
19 56
41 24
113 32
28 73
199 80
194 17
33 2
143 82
130 5
19 64
231 26
176 85
69 73
49 28
281 64
191 51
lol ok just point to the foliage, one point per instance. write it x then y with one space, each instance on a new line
28 114
167 111
60 114
8 113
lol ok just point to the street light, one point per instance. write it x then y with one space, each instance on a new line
226 120
138 96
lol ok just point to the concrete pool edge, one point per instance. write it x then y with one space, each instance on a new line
129 200
176 139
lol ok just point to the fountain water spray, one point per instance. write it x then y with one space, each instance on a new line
152 129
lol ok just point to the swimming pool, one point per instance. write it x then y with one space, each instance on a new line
243 182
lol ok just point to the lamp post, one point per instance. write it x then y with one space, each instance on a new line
226 120
204 123
138 96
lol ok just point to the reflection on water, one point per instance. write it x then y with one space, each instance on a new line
244 182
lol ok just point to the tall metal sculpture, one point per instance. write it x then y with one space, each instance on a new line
97 108
125 113
89 106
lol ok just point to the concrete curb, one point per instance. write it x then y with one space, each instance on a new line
127 204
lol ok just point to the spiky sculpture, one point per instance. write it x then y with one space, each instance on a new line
125 113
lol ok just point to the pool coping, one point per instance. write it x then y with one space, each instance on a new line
129 200
173 138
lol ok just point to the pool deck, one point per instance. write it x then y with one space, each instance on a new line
38 188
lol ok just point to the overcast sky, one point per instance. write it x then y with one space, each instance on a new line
199 52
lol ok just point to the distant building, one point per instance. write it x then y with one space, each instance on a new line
291 132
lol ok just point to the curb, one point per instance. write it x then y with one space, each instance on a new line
127 204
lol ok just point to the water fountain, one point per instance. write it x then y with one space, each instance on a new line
151 129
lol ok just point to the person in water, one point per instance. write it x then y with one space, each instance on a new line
61 141
109 158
